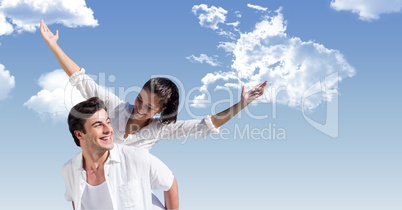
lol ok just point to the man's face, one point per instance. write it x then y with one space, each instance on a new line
99 132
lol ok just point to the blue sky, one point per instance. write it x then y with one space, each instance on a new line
324 136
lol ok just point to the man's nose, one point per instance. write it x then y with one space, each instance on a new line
107 128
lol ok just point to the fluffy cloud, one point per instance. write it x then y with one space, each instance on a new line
56 98
210 17
5 27
24 15
256 7
200 100
7 82
203 59
292 66
368 9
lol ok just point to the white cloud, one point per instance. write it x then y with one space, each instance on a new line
7 82
56 98
290 65
256 7
203 58
234 24
368 9
200 100
227 34
213 77
209 17
227 46
5 27
24 15
237 14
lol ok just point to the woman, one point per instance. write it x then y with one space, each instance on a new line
158 96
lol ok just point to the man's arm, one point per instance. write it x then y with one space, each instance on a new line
246 98
172 196
68 65
161 178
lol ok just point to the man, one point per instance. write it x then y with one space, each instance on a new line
105 175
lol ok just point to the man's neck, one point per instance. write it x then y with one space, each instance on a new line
92 160
93 164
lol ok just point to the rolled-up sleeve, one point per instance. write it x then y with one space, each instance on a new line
160 175
89 88
188 128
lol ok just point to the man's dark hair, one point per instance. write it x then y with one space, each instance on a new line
81 112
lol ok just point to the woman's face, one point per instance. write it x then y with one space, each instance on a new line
146 105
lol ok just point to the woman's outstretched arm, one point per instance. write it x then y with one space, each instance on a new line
68 65
246 98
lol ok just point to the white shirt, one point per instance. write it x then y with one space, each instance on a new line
120 111
96 197
131 175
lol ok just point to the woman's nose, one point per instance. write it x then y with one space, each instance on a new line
142 109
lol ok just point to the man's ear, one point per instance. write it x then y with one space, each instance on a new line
78 134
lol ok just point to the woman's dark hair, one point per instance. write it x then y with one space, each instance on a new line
168 94
80 113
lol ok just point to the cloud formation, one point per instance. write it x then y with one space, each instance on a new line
209 17
256 7
7 82
5 27
24 15
203 58
291 66
368 10
56 98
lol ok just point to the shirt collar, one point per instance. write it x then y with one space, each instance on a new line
114 156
